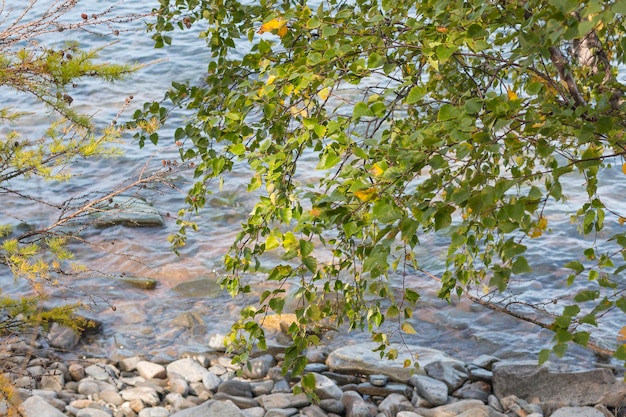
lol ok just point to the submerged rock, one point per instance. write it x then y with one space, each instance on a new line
126 211
143 283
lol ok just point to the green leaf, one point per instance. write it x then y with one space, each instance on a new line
586 295
447 112
620 353
576 266
476 31
306 247
362 110
310 263
237 149
277 304
375 60
544 355
415 94
520 266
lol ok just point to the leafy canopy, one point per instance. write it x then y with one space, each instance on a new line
369 124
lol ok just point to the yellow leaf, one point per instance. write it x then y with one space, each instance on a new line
377 170
621 336
323 93
407 328
273 24
365 195
270 80
467 213
282 31
315 212
542 223
624 168
512 94
621 220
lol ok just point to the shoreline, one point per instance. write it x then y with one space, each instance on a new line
350 381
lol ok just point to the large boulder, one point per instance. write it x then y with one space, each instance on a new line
528 381
361 359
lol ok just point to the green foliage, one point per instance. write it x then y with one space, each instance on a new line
456 118
47 74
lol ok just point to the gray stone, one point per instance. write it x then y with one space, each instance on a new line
150 370
211 409
379 380
313 411
407 414
356 406
393 404
236 388
52 380
111 397
451 409
391 388
88 387
332 406
484 411
92 412
129 364
262 387
178 385
254 412
36 406
154 412
315 367
99 372
146 395
453 374
494 402
62 337
526 380
317 354
283 400
485 362
188 368
281 412
433 390
326 387
281 386
211 381
361 359
577 412
479 374
257 368
77 371
240 402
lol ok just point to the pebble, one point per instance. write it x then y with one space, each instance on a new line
206 385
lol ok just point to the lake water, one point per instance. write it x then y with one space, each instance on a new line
187 305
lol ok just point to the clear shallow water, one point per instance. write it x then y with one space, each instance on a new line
166 322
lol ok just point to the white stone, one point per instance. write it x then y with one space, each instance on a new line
150 370
154 412
147 395
362 359
189 369
577 412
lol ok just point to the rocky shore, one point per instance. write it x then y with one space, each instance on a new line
351 381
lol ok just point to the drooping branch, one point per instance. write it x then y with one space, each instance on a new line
560 62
